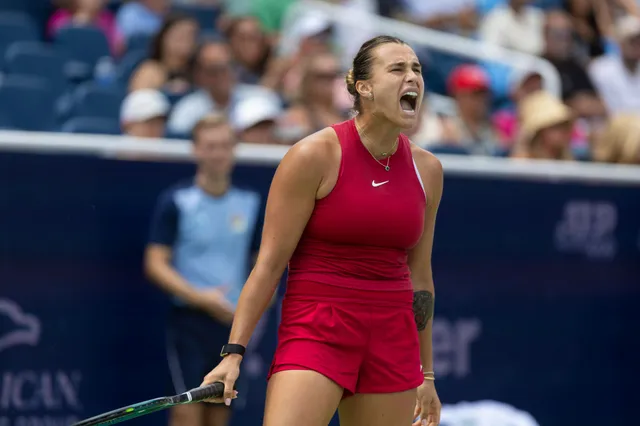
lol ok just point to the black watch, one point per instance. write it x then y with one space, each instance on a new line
232 348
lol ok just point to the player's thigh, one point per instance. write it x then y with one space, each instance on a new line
378 409
217 415
187 415
301 397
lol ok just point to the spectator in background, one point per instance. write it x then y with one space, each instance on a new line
218 88
313 34
515 25
141 17
143 114
620 141
255 119
87 12
560 49
315 107
456 16
469 86
249 47
203 237
523 83
546 127
168 66
617 77
589 17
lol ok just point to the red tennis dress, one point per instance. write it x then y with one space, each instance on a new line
347 311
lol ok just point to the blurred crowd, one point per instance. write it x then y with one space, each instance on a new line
173 61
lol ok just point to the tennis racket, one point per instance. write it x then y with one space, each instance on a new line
214 390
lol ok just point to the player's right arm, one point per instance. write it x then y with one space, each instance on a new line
291 200
160 271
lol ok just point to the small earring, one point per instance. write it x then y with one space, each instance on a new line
370 96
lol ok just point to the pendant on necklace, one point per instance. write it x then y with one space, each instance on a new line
386 168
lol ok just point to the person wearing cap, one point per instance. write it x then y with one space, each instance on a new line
619 142
617 77
254 119
143 114
309 36
204 236
522 82
469 86
546 128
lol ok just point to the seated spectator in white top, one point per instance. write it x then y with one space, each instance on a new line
255 119
457 16
143 114
141 17
213 73
515 25
617 77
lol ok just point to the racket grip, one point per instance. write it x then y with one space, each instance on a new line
214 390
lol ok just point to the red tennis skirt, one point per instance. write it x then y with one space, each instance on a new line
365 341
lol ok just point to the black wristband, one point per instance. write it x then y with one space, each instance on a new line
232 348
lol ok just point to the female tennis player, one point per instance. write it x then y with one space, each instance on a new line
352 210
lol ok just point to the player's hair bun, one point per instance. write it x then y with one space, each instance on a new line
351 82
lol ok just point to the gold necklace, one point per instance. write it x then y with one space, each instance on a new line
383 154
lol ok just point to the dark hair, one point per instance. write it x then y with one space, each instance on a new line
155 49
361 69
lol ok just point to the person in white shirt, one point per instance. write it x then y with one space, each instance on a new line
515 25
218 88
617 77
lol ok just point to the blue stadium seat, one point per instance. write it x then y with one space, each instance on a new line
85 46
206 16
139 42
38 60
95 125
128 64
15 26
92 100
27 102
448 149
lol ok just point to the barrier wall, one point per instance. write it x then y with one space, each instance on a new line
538 284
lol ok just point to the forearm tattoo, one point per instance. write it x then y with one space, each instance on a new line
422 308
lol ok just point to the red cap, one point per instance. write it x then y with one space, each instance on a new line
468 78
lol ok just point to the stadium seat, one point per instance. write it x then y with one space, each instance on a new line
139 42
27 102
15 26
206 16
95 125
92 100
85 46
38 60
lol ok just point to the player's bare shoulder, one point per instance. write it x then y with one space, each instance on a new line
428 164
313 155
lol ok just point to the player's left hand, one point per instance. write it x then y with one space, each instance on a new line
427 412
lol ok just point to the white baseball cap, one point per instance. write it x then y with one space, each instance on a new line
143 105
254 109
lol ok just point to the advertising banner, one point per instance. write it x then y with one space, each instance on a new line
538 288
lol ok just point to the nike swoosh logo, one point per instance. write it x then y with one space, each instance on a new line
375 185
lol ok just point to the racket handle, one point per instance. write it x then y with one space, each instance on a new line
214 390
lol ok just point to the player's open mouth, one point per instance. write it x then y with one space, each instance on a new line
409 102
